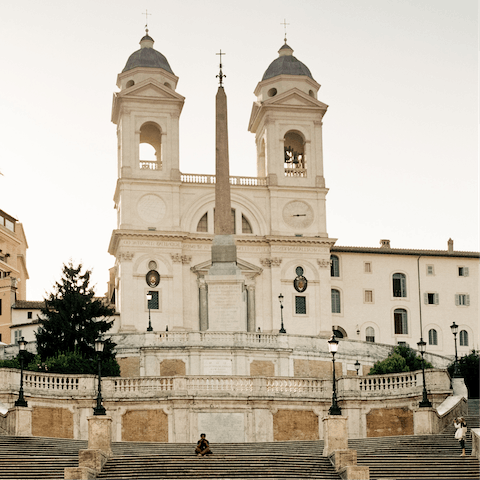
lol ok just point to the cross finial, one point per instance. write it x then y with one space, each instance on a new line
284 23
221 76
146 20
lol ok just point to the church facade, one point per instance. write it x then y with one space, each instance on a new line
295 278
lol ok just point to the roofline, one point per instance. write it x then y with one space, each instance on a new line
405 251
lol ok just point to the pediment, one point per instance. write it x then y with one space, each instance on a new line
295 98
151 88
248 269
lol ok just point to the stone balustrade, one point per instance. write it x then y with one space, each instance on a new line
118 388
210 179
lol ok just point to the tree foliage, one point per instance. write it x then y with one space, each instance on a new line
72 319
401 359
469 366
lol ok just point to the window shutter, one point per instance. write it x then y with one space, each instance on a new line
435 299
457 299
465 271
425 298
467 300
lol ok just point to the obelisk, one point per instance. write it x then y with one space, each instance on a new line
225 283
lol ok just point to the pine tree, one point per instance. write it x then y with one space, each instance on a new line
72 319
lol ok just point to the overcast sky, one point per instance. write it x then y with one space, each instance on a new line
400 134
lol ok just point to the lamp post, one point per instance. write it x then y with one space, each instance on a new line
332 348
456 370
99 409
357 367
149 297
425 402
21 402
280 299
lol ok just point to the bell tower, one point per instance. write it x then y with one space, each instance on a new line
287 122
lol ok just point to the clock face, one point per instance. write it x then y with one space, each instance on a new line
151 208
298 214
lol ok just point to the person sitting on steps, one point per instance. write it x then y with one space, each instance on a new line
203 447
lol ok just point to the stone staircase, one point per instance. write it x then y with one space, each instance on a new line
424 457
275 460
37 458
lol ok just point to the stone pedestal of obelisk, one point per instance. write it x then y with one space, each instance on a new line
225 284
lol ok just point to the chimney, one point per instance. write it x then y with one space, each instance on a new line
450 245
384 243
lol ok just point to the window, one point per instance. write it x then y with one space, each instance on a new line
334 266
0 337
29 315
300 305
367 267
399 285
400 320
17 336
203 224
150 148
368 296
370 334
462 299
431 298
0 306
463 338
153 302
430 270
463 271
335 301
294 155
432 337
246 227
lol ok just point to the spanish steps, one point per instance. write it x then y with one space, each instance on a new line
424 457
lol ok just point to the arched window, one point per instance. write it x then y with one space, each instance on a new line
294 155
463 338
399 285
151 135
432 337
203 224
246 227
334 266
401 321
370 334
335 301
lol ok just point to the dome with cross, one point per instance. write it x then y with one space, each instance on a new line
286 64
147 57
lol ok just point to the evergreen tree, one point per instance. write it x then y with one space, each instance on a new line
469 366
73 319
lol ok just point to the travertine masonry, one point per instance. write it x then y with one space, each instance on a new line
295 425
145 426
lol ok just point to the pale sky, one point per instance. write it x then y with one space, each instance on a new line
400 134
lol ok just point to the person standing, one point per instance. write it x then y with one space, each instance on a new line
461 426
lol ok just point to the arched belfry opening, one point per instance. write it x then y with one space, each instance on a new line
294 155
150 148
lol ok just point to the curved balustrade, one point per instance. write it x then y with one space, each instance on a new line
388 382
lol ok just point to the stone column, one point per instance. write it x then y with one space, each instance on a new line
203 305
251 308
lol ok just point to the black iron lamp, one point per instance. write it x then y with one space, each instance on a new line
357 367
22 345
280 299
425 402
149 298
456 370
99 409
332 348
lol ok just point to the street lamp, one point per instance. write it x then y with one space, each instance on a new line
22 345
99 409
357 367
456 370
149 297
280 299
425 402
332 348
